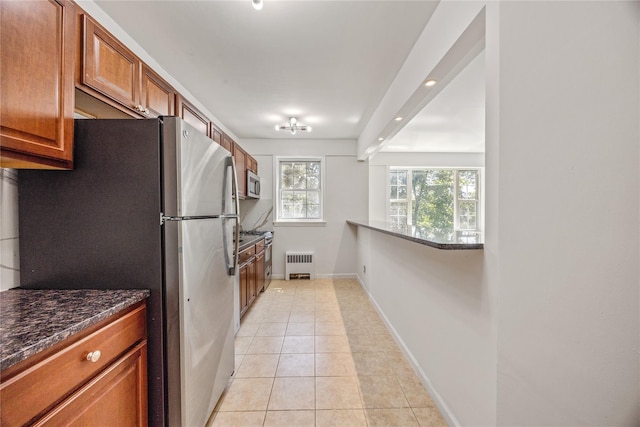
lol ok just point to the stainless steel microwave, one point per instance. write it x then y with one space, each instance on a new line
253 185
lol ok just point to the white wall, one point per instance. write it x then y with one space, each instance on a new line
440 305
346 197
568 334
9 248
544 323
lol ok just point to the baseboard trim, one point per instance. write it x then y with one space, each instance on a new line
426 382
323 276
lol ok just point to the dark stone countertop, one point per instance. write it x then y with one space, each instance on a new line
247 240
449 240
33 320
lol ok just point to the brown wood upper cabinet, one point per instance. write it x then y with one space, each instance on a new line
240 159
109 67
228 143
37 85
158 97
252 164
192 115
112 73
216 134
221 138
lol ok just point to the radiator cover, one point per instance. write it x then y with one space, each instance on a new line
299 263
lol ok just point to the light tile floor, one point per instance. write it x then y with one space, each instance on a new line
316 353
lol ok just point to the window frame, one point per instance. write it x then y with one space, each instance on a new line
278 220
456 201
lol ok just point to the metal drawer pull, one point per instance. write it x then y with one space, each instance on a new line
94 356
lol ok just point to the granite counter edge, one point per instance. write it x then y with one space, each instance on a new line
430 243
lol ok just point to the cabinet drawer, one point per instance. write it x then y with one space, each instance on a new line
246 254
118 394
260 246
47 381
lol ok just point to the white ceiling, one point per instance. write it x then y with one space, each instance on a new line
453 121
327 62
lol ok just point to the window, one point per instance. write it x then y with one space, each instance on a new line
299 189
440 199
398 202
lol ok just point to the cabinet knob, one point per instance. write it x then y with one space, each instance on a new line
94 356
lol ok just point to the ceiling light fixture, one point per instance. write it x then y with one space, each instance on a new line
430 83
257 4
381 139
397 119
293 126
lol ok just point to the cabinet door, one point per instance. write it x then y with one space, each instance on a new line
227 143
240 158
109 67
216 134
116 397
37 86
158 97
260 271
244 284
191 115
251 279
252 164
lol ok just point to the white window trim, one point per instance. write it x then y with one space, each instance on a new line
410 169
298 222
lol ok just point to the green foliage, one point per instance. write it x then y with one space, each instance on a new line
433 199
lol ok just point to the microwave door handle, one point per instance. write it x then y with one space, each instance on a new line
257 187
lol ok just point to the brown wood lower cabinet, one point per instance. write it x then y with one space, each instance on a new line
260 270
251 273
63 386
116 397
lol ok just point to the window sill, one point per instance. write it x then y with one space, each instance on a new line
303 223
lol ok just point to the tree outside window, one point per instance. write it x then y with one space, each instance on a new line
439 199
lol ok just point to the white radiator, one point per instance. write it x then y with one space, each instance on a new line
299 264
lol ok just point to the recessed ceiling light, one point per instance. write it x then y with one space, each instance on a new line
430 83
381 139
257 4
397 119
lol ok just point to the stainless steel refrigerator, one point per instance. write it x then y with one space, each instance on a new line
149 205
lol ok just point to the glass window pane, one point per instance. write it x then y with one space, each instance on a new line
467 215
402 192
402 177
394 192
432 195
313 197
300 176
313 211
286 176
468 184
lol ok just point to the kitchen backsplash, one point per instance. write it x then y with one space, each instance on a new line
9 248
256 214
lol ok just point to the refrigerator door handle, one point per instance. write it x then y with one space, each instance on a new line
235 215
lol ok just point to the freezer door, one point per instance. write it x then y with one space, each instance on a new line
203 189
206 318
